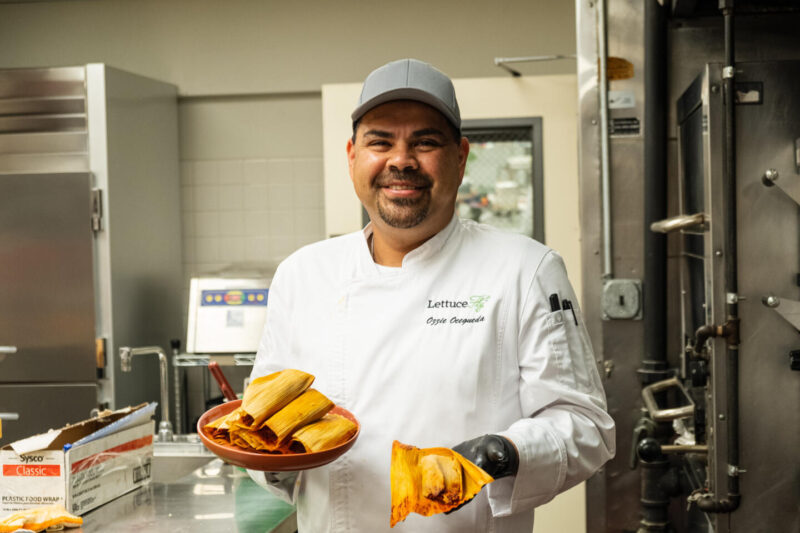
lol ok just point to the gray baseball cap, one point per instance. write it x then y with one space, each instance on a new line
409 79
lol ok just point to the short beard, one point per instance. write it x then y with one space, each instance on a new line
404 219
407 212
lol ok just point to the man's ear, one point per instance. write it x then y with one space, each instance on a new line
351 155
463 154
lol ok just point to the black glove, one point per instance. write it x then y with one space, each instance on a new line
496 455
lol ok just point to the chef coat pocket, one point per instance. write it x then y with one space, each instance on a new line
564 341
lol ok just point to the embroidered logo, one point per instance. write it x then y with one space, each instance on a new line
478 301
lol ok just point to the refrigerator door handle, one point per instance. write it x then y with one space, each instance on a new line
8 349
9 416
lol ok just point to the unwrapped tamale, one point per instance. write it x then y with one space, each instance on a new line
267 395
328 432
441 478
431 480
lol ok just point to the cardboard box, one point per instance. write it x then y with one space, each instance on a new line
81 466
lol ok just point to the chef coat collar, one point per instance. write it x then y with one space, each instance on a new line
416 256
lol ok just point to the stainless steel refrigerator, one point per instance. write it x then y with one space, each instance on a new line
90 253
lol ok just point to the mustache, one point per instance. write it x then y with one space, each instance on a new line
413 177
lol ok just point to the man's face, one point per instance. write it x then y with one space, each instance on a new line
406 167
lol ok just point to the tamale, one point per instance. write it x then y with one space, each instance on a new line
305 409
254 439
328 432
267 395
426 481
237 438
218 428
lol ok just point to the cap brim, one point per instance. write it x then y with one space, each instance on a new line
406 93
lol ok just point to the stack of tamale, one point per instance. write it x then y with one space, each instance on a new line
281 414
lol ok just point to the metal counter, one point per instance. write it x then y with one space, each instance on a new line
216 497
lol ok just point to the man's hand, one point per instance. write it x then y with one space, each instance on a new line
496 455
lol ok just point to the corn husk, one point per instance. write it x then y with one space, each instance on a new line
267 395
328 432
426 481
39 519
305 409
220 427
245 438
237 438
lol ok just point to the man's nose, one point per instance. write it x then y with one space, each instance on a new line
403 158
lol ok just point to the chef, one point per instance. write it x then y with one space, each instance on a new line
433 331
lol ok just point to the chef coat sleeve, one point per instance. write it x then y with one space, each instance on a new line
284 485
270 358
566 434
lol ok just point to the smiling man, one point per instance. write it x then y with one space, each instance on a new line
406 162
433 331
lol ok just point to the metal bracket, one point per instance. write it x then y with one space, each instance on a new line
788 309
734 471
728 72
790 185
97 210
502 62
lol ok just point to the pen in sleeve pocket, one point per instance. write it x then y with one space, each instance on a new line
554 305
568 305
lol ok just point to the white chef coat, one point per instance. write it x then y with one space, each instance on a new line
457 343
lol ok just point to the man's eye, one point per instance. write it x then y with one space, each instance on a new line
379 143
428 143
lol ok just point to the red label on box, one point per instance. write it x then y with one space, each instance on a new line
32 470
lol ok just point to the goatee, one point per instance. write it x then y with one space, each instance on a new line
404 213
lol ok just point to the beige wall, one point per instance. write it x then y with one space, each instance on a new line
554 99
277 46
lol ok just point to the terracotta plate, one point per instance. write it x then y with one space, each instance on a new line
266 461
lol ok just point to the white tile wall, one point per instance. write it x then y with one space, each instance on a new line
248 212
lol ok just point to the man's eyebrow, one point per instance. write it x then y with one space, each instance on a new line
428 131
379 133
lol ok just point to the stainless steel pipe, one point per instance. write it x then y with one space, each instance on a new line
605 171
